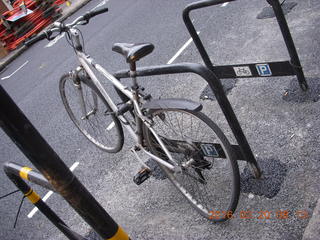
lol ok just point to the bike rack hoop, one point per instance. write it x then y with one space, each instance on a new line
27 174
16 174
217 89
294 67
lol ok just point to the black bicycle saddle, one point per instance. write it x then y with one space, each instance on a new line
133 51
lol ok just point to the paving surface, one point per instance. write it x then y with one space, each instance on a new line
312 231
274 173
268 12
294 94
281 133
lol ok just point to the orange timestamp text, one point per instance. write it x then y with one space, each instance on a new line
262 215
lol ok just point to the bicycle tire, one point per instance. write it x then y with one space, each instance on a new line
216 178
102 129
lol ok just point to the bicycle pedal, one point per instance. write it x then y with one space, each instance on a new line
142 176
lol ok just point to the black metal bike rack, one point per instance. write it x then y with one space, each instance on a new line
264 69
269 69
55 175
243 151
212 74
251 70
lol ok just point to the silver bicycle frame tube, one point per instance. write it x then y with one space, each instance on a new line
86 62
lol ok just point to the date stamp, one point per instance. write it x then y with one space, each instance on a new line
260 215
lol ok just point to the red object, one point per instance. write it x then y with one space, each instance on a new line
16 28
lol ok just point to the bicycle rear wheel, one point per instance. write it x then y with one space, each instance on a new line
90 113
209 179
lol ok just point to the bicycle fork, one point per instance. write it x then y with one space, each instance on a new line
79 90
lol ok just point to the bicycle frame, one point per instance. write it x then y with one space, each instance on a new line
87 62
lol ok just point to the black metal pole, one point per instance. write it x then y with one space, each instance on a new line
295 61
45 159
217 88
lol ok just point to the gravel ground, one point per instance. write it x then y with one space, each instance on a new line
281 126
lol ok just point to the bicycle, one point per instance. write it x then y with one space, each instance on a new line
188 146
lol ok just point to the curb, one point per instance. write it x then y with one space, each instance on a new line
16 53
312 231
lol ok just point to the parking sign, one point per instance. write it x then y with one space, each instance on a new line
264 70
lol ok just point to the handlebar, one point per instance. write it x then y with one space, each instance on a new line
38 38
91 14
60 27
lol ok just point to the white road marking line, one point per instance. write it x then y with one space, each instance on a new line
181 50
110 126
45 198
55 40
225 4
73 167
4 78
100 4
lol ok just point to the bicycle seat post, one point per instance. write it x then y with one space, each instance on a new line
135 91
133 75
133 52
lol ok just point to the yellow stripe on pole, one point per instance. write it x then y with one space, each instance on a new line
120 235
24 172
33 196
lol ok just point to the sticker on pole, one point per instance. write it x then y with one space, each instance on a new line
264 70
242 71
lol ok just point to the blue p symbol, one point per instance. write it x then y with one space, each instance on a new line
263 70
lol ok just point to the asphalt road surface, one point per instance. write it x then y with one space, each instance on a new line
277 130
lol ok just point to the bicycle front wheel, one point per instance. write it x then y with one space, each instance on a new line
209 177
89 112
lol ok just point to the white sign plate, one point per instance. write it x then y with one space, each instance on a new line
242 71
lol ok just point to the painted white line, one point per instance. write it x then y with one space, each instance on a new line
110 126
4 78
55 40
225 4
100 4
45 198
181 50
73 167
